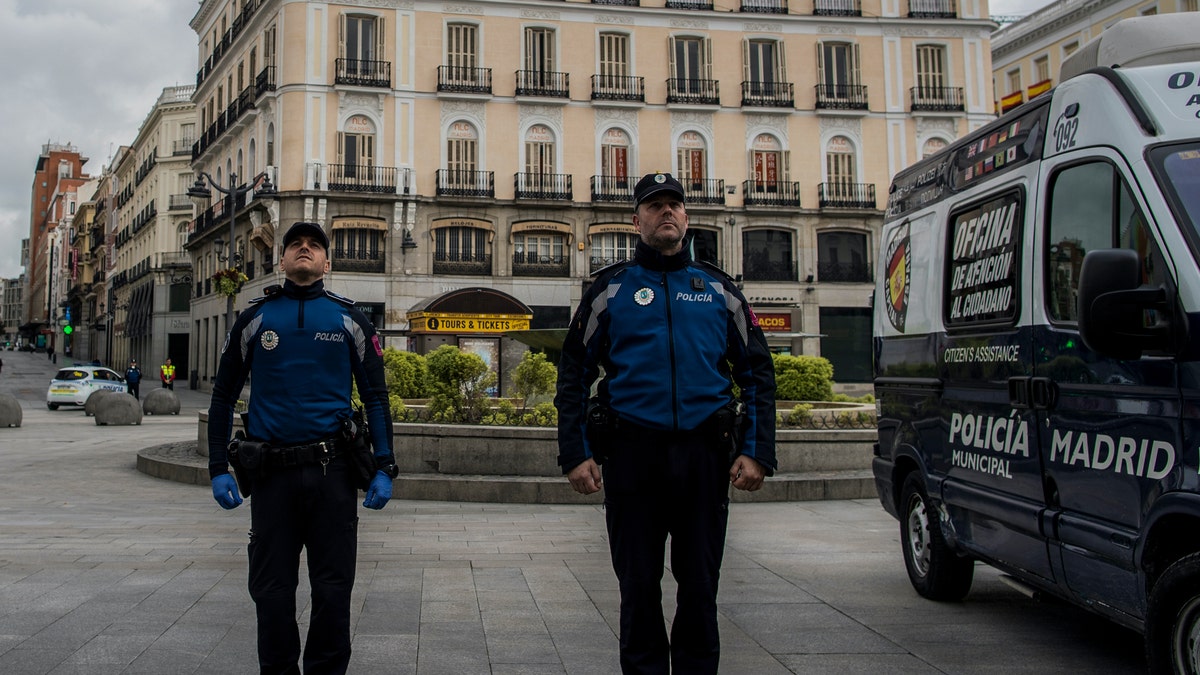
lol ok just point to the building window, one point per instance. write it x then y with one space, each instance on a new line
691 161
768 256
539 50
1041 68
614 155
462 154
837 68
704 246
842 256
931 68
540 254
612 247
356 155
1014 80
691 64
461 250
462 55
769 163
357 250
839 161
362 38
1069 48
614 59
763 62
1187 5
539 150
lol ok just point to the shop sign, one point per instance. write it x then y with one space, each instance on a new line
775 323
467 323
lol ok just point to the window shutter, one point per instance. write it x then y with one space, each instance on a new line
747 54
671 65
342 36
708 59
854 77
341 147
780 61
821 64
380 40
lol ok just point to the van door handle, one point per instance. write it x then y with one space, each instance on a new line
1018 392
1043 392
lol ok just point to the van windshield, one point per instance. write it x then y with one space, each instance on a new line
1178 170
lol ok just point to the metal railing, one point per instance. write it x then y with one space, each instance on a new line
837 8
543 83
534 265
473 264
361 178
765 6
265 81
363 72
768 270
618 88
841 97
613 189
704 190
692 90
690 4
771 193
932 9
462 79
542 186
461 183
937 99
844 271
358 261
846 195
768 94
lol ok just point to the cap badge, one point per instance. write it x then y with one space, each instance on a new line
269 340
644 297
660 178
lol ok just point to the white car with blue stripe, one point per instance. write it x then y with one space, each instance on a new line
73 386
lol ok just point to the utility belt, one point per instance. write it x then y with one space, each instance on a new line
251 460
726 425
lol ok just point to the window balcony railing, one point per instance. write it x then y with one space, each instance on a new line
542 186
837 8
363 73
180 203
546 83
383 180
357 261
771 193
464 80
618 88
840 195
265 81
932 9
613 189
690 4
182 146
768 270
768 94
622 3
857 272
473 264
462 183
841 97
534 265
596 263
696 91
765 6
704 190
937 99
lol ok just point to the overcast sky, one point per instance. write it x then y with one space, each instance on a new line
86 73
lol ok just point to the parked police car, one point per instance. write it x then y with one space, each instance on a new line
73 386
1037 344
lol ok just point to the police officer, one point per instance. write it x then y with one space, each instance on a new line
133 378
672 335
304 346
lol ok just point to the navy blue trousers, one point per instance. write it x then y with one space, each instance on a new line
658 485
312 508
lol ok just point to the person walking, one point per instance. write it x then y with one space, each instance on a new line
133 379
166 373
304 347
665 437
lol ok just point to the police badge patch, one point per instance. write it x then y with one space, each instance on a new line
269 340
644 296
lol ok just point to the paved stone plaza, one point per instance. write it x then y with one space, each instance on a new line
106 570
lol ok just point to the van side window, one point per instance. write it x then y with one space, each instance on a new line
1092 207
981 277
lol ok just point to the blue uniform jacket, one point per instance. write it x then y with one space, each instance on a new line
671 335
304 347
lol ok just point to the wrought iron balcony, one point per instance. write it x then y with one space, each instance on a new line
464 80
704 190
618 88
596 263
613 189
768 270
534 265
690 4
265 81
182 146
542 186
473 264
841 97
768 94
357 261
765 6
461 183
696 91
384 180
180 203
771 193
546 83
932 9
837 8
859 272
840 195
937 99
622 3
363 73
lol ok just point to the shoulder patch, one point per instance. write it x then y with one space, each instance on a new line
339 298
269 293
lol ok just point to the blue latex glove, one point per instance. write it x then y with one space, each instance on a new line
225 491
380 491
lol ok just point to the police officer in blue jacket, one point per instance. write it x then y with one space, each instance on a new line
303 347
664 435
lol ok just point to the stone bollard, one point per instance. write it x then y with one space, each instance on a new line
89 406
10 411
161 402
118 410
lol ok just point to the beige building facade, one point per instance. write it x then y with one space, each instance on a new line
1027 55
494 145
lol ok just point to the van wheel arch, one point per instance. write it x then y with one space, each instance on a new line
1173 619
935 570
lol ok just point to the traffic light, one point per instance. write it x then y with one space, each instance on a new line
67 329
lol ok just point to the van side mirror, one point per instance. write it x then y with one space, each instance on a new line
1113 306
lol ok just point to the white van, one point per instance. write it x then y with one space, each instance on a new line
1037 344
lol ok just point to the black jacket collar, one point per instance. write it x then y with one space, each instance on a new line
298 292
651 259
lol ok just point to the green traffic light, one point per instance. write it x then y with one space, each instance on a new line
67 329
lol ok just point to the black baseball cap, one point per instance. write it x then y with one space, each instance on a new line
304 228
654 183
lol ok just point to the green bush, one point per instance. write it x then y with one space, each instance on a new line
401 412
800 415
501 414
407 373
844 398
543 415
533 376
803 378
460 383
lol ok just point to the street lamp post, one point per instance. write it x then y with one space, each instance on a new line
199 192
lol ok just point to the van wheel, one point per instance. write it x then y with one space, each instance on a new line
1173 619
52 406
937 572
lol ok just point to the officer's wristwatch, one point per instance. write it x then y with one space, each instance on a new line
391 470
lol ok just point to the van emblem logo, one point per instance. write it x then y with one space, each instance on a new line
897 283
